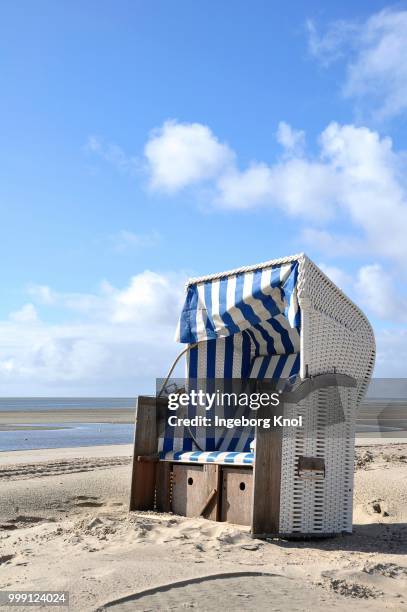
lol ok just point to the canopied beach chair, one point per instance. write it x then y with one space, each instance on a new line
281 325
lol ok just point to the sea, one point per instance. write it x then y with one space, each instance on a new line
64 435
375 417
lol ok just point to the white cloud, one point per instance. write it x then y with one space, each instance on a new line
244 190
374 52
372 190
125 240
151 294
41 293
182 154
377 291
26 314
298 187
292 140
356 174
112 154
374 288
391 357
106 342
342 279
332 244
81 302
148 296
330 46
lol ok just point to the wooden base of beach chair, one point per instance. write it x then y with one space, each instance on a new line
216 492
196 490
145 457
234 494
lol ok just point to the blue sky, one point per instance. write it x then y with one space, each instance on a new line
288 122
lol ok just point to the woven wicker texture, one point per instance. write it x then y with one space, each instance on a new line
335 337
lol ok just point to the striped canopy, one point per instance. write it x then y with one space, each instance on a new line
237 317
229 304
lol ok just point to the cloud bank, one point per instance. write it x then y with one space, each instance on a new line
116 341
374 52
355 174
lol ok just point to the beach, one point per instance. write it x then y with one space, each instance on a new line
65 525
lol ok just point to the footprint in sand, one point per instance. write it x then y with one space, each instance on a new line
389 570
22 521
85 501
6 559
84 497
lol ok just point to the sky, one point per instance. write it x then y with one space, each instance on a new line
146 142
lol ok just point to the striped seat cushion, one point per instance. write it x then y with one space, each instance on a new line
218 457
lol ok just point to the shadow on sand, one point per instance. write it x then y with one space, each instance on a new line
385 538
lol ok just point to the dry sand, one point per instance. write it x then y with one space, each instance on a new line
41 455
64 525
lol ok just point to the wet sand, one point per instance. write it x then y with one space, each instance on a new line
66 415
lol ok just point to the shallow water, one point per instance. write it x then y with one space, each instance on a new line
64 435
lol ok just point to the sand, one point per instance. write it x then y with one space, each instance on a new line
41 455
10 418
64 525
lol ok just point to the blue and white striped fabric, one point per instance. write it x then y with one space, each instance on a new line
275 367
247 325
218 444
229 305
238 318
211 457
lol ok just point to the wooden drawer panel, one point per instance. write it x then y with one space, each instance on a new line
192 484
237 491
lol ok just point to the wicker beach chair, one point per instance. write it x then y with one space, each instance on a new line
279 322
